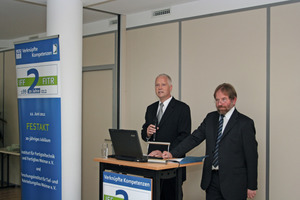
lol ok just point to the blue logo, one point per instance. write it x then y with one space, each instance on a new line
122 192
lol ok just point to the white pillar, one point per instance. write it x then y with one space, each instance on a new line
64 18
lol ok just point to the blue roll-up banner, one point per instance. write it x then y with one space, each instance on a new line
39 103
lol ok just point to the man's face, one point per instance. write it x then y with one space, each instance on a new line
162 88
223 103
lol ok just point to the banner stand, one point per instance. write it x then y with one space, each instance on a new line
39 105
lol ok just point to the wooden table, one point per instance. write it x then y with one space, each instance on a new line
3 152
156 171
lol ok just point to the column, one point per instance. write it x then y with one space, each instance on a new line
64 18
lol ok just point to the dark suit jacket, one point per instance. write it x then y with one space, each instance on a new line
174 126
237 153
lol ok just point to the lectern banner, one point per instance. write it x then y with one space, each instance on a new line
119 186
39 104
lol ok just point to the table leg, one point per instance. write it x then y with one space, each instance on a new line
179 183
7 164
156 186
2 181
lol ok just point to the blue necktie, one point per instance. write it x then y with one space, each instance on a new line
215 162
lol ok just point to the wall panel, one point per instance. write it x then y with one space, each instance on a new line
11 129
97 108
99 50
150 51
97 119
284 105
1 97
226 48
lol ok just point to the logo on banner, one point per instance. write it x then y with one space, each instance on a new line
37 80
55 49
18 54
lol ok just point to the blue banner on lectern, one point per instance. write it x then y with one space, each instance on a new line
39 104
125 187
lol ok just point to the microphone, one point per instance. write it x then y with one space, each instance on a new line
155 123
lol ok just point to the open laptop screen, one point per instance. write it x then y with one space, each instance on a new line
126 144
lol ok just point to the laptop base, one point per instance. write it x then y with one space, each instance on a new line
143 159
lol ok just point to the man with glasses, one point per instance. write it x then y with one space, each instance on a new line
230 170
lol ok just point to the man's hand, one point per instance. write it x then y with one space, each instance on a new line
251 193
156 153
151 130
167 155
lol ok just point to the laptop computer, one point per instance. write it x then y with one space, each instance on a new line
127 145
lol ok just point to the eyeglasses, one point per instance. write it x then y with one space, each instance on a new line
223 100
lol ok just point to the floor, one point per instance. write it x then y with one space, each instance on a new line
11 193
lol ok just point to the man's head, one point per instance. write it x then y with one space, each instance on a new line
163 87
225 97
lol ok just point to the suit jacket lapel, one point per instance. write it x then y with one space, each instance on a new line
231 123
154 111
215 127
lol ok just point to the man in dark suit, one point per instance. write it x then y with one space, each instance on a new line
169 122
230 170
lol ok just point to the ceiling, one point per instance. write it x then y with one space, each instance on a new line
20 18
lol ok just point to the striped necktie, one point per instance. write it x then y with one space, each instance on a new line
160 112
215 162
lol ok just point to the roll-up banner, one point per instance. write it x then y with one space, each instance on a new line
39 104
